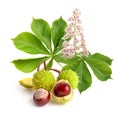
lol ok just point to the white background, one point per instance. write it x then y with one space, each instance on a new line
101 21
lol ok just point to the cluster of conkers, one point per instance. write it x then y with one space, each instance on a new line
61 93
47 88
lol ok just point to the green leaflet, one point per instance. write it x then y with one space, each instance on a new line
28 65
100 68
57 31
84 76
42 31
28 43
85 79
102 58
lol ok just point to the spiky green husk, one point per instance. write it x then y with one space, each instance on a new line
62 100
43 79
70 76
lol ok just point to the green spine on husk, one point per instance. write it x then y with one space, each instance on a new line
43 79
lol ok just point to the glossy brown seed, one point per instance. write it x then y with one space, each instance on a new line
41 97
62 89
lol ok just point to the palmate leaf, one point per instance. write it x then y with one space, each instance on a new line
28 65
100 68
39 42
99 65
29 43
85 79
41 29
58 31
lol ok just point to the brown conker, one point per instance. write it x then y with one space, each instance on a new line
62 89
41 97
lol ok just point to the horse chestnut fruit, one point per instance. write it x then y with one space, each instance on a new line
62 89
41 97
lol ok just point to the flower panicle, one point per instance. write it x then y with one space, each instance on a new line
74 31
